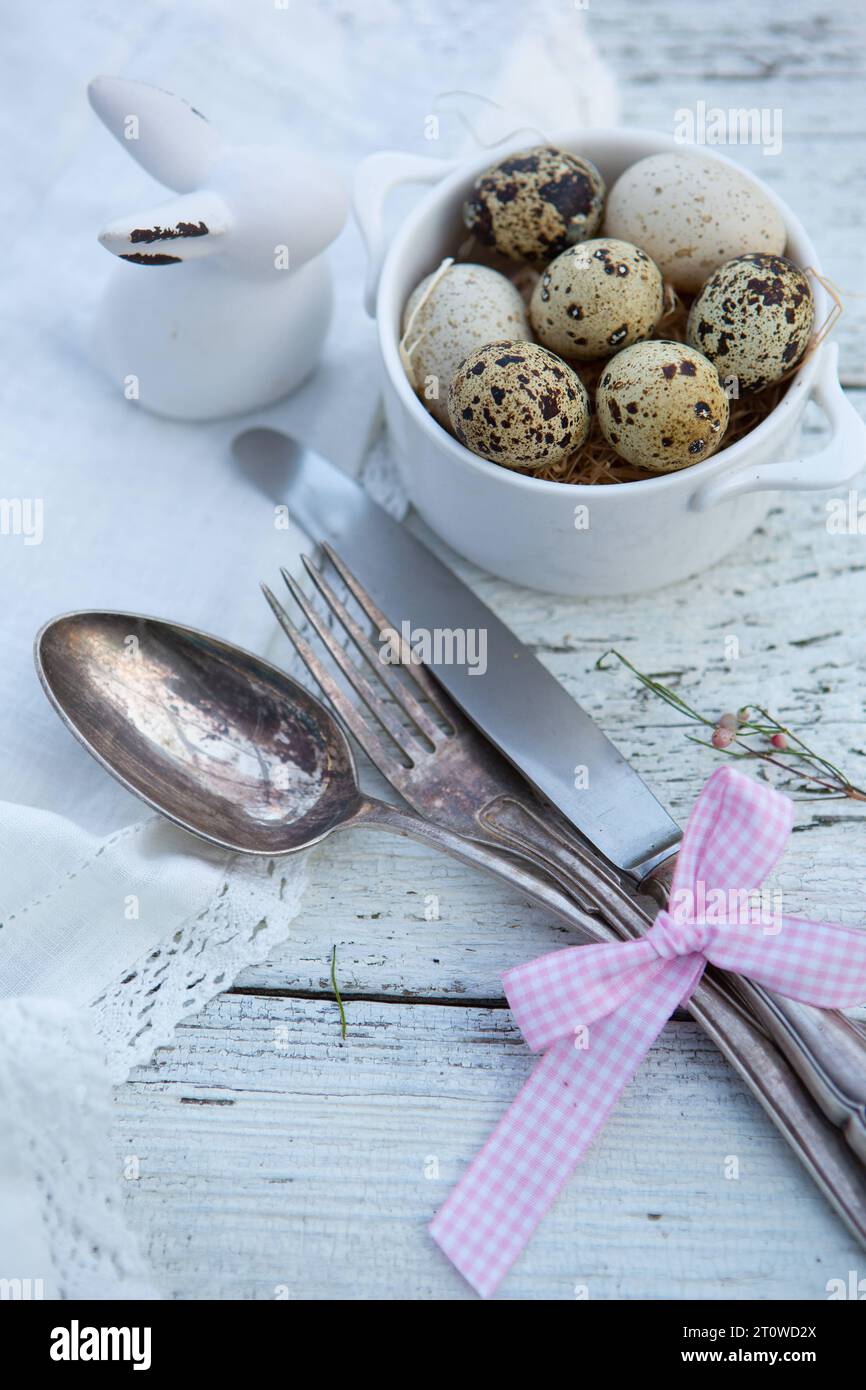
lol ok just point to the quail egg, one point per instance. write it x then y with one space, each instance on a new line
535 203
753 319
691 213
596 299
517 404
453 311
661 406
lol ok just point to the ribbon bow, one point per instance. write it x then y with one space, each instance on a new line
596 1010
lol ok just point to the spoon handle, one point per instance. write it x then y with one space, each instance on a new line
818 1144
578 911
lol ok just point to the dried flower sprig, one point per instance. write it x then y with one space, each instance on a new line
756 734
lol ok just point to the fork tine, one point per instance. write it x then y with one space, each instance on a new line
401 694
346 711
402 737
415 670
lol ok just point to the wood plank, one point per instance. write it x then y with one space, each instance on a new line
666 42
367 896
276 1160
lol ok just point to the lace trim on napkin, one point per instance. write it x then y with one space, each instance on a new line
249 916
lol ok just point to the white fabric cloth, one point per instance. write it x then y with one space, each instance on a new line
115 926
106 944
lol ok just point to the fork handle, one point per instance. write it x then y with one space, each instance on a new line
818 1144
827 1051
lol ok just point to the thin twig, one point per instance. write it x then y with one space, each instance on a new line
337 992
732 732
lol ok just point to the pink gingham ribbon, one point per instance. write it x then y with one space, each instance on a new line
594 1011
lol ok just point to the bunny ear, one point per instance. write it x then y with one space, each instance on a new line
168 137
183 229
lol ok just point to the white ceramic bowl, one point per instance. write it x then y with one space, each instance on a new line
639 535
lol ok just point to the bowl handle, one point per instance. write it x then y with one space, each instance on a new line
374 179
840 460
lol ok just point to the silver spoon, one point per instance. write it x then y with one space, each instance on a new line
231 748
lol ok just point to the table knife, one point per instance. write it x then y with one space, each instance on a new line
608 804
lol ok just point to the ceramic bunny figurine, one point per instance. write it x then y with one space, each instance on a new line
228 298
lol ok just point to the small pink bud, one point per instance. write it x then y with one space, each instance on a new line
743 714
728 721
722 737
779 741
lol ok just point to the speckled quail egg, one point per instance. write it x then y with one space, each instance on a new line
533 204
519 405
661 406
596 299
753 319
453 311
691 213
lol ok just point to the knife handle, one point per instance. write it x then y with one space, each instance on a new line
817 1143
827 1050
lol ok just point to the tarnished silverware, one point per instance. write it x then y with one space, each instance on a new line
458 778
233 750
444 768
530 718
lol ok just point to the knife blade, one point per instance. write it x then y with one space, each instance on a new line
514 697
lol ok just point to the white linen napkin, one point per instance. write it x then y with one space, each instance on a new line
106 944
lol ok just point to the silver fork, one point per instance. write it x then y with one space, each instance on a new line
447 770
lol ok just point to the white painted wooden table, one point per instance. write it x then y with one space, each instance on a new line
277 1160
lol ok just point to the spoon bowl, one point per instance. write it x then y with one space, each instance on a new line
228 746
224 744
